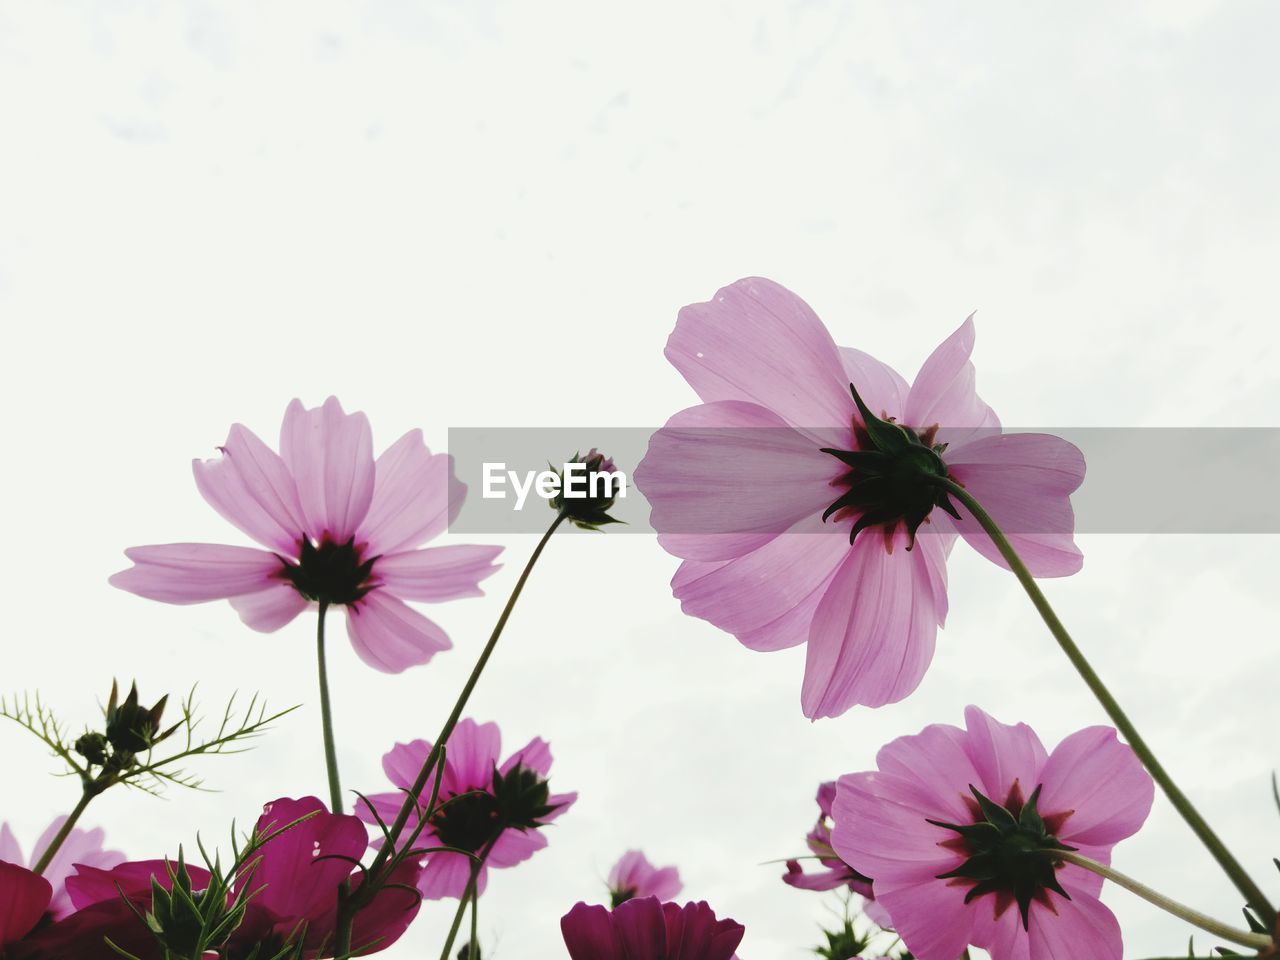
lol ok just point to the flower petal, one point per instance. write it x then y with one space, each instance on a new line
759 342
516 846
588 933
24 896
10 849
873 632
473 750
1003 754
415 496
447 875
1101 781
81 847
438 573
535 756
330 454
252 488
931 918
390 636
943 393
881 387
1025 481
196 572
268 610
1081 927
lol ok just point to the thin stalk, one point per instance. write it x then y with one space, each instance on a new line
1244 938
326 717
469 896
64 831
1251 892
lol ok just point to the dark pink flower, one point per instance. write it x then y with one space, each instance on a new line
647 929
80 847
294 886
948 883
738 482
634 877
338 525
24 898
474 822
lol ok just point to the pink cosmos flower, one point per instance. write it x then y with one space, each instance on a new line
958 828
339 527
24 898
779 449
80 847
646 929
477 821
294 887
634 877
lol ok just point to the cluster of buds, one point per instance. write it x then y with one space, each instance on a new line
131 729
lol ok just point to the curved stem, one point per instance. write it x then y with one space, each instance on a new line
63 832
1251 892
326 717
1258 941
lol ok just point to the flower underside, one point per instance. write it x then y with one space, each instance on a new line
518 799
333 573
893 476
1009 852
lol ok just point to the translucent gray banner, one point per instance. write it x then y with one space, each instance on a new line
1137 480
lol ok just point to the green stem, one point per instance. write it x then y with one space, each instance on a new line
64 831
326 717
1257 941
469 895
377 872
1243 882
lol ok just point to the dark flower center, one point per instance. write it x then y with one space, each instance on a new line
1009 852
893 475
468 821
330 572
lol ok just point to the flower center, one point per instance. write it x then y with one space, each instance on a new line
467 821
330 572
893 476
1009 853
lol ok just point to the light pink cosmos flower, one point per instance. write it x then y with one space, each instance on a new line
472 822
81 847
634 877
339 526
740 485
949 884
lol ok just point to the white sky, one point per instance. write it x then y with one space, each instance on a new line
457 214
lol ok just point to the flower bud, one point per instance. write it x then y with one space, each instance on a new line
132 728
588 494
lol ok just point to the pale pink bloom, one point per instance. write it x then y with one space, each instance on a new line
339 526
634 877
947 887
470 823
82 847
739 484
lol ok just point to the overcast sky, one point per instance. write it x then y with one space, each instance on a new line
487 214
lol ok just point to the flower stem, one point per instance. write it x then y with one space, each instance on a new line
64 831
1243 882
326 718
1257 941
377 871
469 896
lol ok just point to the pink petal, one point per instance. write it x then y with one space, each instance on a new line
472 751
23 900
759 342
735 470
90 885
588 933
10 850
516 846
642 930
81 847
1003 754
535 756
438 573
560 804
390 636
768 597
404 761
1102 781
881 387
944 395
934 769
415 496
1082 927
931 918
694 933
447 875
873 632
268 610
1024 480
819 880
253 489
196 572
330 454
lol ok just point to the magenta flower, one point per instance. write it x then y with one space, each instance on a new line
958 828
340 528
646 929
633 877
24 898
80 847
294 887
502 811
835 872
780 449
